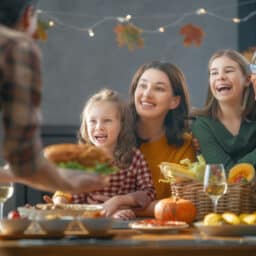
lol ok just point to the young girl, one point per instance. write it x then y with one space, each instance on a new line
160 102
226 126
107 123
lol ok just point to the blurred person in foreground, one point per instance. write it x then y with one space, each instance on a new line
20 98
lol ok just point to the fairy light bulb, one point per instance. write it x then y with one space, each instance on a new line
236 20
91 33
161 29
51 23
128 17
201 11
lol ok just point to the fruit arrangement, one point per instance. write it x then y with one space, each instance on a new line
213 219
186 169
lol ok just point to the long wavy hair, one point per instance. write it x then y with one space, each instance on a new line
211 106
176 120
123 151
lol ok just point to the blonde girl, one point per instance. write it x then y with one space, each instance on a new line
107 123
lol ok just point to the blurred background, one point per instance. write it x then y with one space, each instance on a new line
81 53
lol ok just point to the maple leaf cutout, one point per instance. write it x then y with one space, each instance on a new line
192 34
249 53
129 35
41 31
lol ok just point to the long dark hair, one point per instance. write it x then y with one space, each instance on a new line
176 120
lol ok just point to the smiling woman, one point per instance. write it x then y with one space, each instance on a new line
160 101
226 126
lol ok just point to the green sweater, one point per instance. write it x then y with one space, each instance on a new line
218 145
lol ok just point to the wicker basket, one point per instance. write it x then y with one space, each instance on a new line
240 198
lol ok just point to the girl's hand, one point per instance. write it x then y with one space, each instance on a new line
125 214
112 205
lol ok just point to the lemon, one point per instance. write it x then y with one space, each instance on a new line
242 216
250 218
231 218
212 219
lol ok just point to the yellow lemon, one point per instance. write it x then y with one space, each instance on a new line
250 219
231 218
212 219
242 216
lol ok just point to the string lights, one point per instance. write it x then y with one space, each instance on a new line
54 21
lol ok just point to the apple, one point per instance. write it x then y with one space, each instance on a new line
13 215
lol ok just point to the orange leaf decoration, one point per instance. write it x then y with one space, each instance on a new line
41 31
249 53
129 35
192 34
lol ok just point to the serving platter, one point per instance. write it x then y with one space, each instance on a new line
226 229
156 226
50 211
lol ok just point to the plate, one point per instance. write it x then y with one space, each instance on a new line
227 230
51 211
156 226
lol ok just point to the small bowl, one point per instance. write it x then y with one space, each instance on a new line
14 227
54 226
97 226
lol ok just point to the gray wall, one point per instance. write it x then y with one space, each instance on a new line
75 66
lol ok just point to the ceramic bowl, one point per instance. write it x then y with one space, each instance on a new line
97 226
14 226
54 226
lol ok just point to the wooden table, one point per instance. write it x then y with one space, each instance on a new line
126 242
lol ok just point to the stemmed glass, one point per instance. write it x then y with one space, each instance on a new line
215 183
6 192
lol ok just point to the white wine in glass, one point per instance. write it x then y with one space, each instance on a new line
6 192
215 183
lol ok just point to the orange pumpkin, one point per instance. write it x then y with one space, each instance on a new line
176 209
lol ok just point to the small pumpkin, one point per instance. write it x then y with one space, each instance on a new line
176 209
240 173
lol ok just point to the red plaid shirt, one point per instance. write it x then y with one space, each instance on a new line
20 96
135 180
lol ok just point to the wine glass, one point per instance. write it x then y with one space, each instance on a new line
215 183
6 192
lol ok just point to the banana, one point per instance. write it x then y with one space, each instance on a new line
170 170
186 169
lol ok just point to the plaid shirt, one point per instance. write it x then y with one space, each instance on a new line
20 95
135 180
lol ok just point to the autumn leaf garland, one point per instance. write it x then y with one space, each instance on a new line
129 35
192 35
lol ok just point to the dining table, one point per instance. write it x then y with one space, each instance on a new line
124 241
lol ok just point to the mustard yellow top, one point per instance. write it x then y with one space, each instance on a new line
159 151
